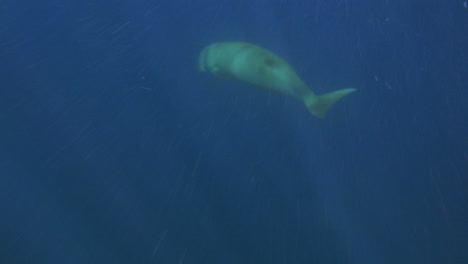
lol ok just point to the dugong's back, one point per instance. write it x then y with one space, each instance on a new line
221 53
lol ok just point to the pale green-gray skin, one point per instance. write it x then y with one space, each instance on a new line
252 64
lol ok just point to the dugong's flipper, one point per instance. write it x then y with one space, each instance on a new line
319 105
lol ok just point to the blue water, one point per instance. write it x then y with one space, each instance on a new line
115 149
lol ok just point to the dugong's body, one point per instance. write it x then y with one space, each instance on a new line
255 65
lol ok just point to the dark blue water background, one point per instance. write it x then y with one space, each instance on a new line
115 149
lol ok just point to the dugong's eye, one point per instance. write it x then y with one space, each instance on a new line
270 62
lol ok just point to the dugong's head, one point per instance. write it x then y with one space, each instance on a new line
208 57
202 59
219 56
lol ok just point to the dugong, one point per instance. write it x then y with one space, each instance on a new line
255 65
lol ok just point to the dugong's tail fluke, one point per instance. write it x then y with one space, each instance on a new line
319 105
